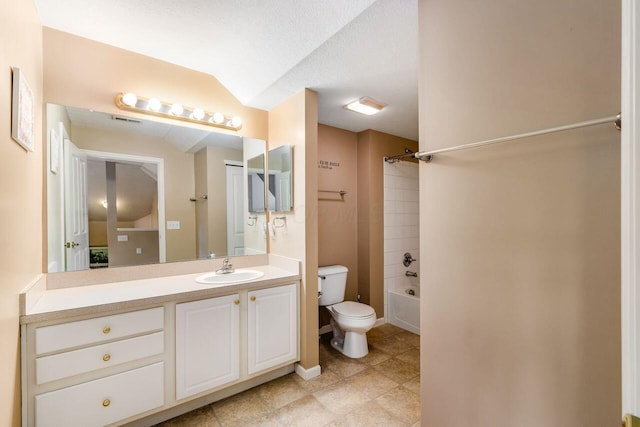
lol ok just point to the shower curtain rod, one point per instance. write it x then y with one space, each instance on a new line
407 153
427 156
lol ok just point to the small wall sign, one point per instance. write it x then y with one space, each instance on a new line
326 164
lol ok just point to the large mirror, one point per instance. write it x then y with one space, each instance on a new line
124 191
280 194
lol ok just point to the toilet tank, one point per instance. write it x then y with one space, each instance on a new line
332 281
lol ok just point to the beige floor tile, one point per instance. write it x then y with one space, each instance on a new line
307 411
402 404
343 367
244 406
368 415
374 357
341 397
410 338
270 419
325 379
371 383
412 357
413 385
392 345
203 417
397 370
281 391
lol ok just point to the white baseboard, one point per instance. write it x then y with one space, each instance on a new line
307 374
380 321
325 329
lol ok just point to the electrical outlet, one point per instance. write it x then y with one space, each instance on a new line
173 225
138 251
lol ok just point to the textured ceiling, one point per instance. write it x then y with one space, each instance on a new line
265 51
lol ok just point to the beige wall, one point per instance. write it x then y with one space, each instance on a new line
295 122
21 189
373 146
84 73
520 315
179 180
338 217
98 233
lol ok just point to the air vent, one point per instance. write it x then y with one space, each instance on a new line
125 119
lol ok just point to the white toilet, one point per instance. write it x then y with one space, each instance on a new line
350 320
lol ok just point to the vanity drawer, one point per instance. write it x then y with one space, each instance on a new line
91 331
57 366
103 401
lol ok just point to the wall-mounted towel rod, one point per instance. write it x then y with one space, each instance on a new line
203 197
427 156
340 192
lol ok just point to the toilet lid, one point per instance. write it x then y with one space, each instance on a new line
353 309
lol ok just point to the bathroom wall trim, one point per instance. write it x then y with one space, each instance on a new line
630 207
307 374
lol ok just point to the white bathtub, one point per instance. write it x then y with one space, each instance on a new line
404 309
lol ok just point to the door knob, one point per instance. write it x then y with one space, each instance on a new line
70 245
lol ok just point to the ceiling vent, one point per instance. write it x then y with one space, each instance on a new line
125 119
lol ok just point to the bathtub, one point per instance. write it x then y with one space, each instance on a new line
404 309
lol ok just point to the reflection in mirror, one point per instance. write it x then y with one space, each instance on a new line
255 184
123 191
280 179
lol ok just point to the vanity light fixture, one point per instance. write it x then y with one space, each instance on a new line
365 105
153 106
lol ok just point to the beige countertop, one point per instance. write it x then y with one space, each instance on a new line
54 304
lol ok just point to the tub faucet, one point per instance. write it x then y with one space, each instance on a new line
411 274
226 268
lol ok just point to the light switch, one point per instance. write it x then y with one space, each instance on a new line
123 238
138 251
173 225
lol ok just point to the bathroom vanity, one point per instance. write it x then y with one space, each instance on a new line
142 351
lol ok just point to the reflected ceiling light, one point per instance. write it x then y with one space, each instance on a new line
198 114
217 118
129 99
154 104
104 204
155 107
365 105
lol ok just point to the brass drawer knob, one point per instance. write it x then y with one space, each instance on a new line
237 302
106 403
253 297
106 357
106 330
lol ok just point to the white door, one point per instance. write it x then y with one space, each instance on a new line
235 210
272 327
207 344
76 216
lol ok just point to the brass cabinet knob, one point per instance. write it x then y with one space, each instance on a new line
253 297
106 403
237 302
106 357
106 330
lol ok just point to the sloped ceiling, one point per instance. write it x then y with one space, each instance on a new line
265 51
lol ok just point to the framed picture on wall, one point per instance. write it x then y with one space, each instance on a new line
22 111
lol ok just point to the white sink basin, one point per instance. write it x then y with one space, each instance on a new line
237 276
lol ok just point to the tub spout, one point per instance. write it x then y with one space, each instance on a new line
411 274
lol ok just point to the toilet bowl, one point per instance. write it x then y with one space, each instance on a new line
350 321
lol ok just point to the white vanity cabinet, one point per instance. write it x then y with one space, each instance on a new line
94 371
207 344
272 328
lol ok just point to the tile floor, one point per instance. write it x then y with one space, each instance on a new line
381 389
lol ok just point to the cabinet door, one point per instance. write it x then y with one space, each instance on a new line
272 327
207 344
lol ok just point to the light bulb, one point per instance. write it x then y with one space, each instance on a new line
177 110
198 114
236 122
129 99
154 104
217 118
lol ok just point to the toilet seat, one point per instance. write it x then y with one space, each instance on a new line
352 309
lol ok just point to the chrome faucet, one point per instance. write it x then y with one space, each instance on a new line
226 268
411 274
